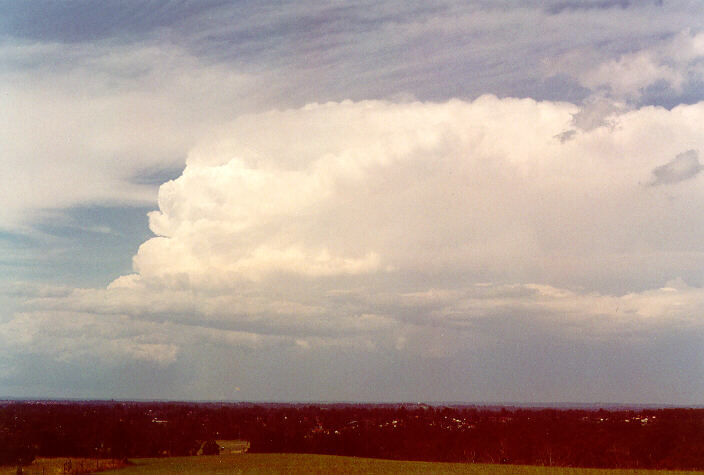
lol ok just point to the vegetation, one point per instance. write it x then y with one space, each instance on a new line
305 463
624 438
74 465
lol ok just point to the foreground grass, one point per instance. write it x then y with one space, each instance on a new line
303 463
300 463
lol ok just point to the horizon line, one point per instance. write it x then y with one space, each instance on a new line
486 404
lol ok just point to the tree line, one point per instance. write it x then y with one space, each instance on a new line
643 438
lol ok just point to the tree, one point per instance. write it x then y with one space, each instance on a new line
14 453
211 448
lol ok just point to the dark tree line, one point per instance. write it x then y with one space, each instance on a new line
672 438
653 438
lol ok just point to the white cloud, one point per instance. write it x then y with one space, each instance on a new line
632 73
479 188
675 63
81 122
420 227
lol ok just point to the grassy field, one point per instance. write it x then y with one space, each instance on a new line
321 464
298 463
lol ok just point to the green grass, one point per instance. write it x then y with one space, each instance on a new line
302 463
322 464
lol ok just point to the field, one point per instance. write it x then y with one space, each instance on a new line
303 463
299 463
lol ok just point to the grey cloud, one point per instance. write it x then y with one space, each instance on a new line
593 5
367 51
691 92
156 175
659 368
81 20
566 135
29 290
595 112
683 167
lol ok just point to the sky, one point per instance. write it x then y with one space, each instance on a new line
483 201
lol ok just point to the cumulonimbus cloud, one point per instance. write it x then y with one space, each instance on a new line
350 189
367 222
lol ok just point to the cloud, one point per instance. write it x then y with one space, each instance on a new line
673 64
436 323
559 7
308 239
683 167
65 336
80 122
595 112
382 188
79 21
631 74
366 222
89 110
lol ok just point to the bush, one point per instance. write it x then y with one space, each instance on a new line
211 448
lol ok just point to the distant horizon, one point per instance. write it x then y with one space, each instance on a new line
484 404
